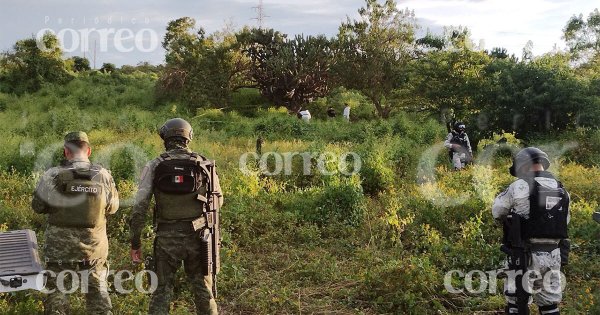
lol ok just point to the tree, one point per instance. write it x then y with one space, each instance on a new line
583 36
535 97
448 82
499 53
80 64
374 51
142 66
431 42
31 63
108 68
201 70
288 72
458 38
527 55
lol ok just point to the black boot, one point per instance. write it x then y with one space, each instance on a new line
549 309
511 309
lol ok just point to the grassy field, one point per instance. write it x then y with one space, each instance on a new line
376 242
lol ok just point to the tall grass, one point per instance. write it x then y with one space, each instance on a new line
370 243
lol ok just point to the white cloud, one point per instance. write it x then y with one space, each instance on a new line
509 23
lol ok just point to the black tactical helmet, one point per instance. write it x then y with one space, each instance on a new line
176 127
527 157
459 126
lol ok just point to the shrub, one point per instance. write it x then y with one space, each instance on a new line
376 173
340 202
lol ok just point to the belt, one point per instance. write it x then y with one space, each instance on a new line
180 226
540 247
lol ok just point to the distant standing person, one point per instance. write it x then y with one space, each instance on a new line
347 112
331 112
305 115
459 146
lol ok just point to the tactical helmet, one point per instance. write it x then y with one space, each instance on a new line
176 127
527 157
459 127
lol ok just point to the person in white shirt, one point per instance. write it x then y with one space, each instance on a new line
346 112
305 115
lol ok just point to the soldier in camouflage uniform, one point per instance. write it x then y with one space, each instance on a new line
542 203
176 239
77 196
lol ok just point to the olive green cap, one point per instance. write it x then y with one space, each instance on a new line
76 136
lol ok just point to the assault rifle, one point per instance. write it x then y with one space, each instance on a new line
518 259
211 238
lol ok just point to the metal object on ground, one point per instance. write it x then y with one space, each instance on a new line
20 266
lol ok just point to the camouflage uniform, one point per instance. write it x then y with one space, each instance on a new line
458 156
68 248
544 263
171 247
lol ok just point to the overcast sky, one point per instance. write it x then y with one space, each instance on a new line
504 23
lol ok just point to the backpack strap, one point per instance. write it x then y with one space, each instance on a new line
198 157
204 169
165 157
200 161
96 168
86 173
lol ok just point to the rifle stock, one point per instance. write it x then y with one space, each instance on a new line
518 260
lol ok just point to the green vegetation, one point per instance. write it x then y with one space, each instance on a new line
379 241
376 242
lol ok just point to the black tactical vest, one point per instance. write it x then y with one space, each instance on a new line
460 139
180 187
80 198
548 212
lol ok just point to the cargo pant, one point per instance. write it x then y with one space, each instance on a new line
459 160
92 282
170 252
547 291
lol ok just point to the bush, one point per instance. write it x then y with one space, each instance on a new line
247 102
376 174
340 202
